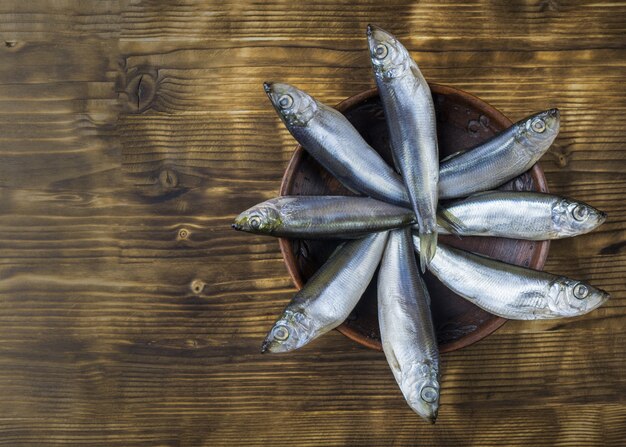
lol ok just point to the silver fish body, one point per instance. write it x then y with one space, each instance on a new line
512 291
331 139
522 215
505 156
329 296
322 217
411 120
406 327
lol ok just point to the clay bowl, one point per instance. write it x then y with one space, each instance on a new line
463 121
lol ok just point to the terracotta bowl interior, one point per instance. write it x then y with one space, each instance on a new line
463 121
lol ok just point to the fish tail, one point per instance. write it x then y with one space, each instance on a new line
428 246
449 222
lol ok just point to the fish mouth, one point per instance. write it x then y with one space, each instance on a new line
375 36
605 297
235 226
555 113
597 302
274 90
374 41
377 33
265 346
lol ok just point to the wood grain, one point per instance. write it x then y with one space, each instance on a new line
131 133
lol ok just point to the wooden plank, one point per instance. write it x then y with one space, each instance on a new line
132 132
482 24
569 427
58 111
59 20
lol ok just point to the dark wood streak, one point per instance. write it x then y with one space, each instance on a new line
132 132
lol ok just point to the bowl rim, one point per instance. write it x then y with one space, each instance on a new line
539 256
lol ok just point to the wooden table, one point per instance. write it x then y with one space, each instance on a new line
132 132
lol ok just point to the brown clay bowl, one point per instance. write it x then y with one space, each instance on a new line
463 121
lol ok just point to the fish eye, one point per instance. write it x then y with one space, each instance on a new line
285 101
538 125
429 394
281 333
255 222
381 51
581 291
580 212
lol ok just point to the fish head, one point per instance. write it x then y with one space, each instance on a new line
420 386
263 218
295 107
569 298
291 331
571 218
537 132
389 57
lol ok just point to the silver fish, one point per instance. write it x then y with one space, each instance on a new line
411 120
505 156
329 137
406 327
332 140
522 215
511 291
313 217
329 296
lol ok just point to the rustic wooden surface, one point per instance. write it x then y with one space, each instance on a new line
131 133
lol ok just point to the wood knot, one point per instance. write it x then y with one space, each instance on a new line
548 5
183 233
191 343
140 89
197 286
168 179
561 155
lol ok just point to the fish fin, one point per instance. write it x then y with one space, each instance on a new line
450 222
532 304
451 156
395 166
428 246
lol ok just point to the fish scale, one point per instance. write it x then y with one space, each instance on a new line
354 162
498 160
406 327
522 215
323 217
329 296
410 116
511 291
329 137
